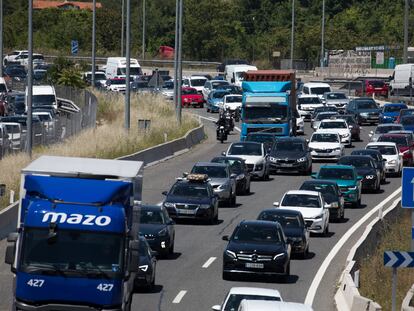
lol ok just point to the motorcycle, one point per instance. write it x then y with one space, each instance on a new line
221 134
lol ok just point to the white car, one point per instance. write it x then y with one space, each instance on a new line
337 126
307 104
322 116
254 154
313 207
196 82
259 305
211 85
232 101
116 85
391 154
237 294
47 120
326 145
100 77
12 56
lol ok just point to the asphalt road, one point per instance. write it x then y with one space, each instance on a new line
181 281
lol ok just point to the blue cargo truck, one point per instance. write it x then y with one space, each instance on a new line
269 103
76 245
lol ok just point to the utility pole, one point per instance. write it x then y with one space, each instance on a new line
128 66
323 35
406 9
1 37
143 28
292 35
180 60
177 12
29 98
93 43
122 28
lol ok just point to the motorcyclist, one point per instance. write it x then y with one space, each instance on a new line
221 122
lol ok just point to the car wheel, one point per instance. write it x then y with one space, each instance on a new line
378 187
305 253
171 249
286 276
326 232
208 109
247 191
233 200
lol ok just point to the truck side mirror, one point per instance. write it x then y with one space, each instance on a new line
10 251
134 257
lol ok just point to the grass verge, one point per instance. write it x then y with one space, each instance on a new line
375 279
109 139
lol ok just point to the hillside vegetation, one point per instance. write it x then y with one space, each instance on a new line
249 29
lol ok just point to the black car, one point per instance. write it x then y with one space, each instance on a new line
268 139
16 72
353 126
364 109
238 167
377 156
257 247
293 225
367 168
15 103
158 228
331 194
290 154
192 198
145 277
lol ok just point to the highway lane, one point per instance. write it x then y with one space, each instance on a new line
199 287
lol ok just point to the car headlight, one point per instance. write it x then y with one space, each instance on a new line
370 177
335 204
168 204
224 186
320 216
345 135
337 149
351 126
392 162
143 268
240 177
301 159
272 159
352 188
279 256
163 232
231 254
205 206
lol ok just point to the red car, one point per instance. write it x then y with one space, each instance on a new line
370 87
191 98
404 143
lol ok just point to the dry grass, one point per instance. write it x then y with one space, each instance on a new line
376 280
109 139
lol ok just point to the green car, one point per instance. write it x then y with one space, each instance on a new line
347 179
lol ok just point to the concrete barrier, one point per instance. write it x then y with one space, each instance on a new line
405 306
150 156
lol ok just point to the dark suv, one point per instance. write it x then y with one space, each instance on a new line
364 109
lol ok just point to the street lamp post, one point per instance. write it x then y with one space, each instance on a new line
292 35
128 66
122 28
177 12
406 9
143 28
323 35
30 81
1 37
93 43
180 67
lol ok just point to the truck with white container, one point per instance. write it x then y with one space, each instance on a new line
76 246
235 73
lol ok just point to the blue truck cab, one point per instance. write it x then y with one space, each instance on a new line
266 108
76 245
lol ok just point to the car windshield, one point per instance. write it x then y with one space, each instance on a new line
328 191
325 138
234 300
73 252
216 84
392 108
399 140
407 112
334 96
301 200
169 85
44 117
366 105
189 91
246 149
265 113
324 116
257 233
320 90
289 146
233 99
285 220
333 125
211 171
198 82
357 162
219 94
384 150
118 81
309 100
44 100
326 109
336 173
152 217
387 128
189 190
236 166
232 89
407 120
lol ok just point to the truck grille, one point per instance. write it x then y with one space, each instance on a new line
186 206
254 257
264 129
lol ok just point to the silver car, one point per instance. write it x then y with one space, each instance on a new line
336 99
220 178
384 129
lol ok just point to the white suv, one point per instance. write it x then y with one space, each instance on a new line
337 126
307 104
390 153
326 145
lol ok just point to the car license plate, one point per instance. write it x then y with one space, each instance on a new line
186 211
254 265
286 165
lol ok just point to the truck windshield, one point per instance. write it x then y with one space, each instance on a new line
44 100
73 253
265 113
133 71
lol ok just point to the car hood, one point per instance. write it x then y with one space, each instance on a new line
186 199
151 228
324 146
307 212
251 159
291 155
261 248
218 181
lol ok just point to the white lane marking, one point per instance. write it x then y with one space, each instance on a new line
209 262
237 129
179 296
310 296
215 120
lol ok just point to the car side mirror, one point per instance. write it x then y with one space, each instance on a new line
225 238
171 222
216 308
327 206
165 193
232 80
314 175
154 253
185 174
276 204
360 178
384 160
371 132
233 176
223 153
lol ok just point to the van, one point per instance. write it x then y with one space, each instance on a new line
400 79
116 68
196 82
265 305
234 73
43 96
316 88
